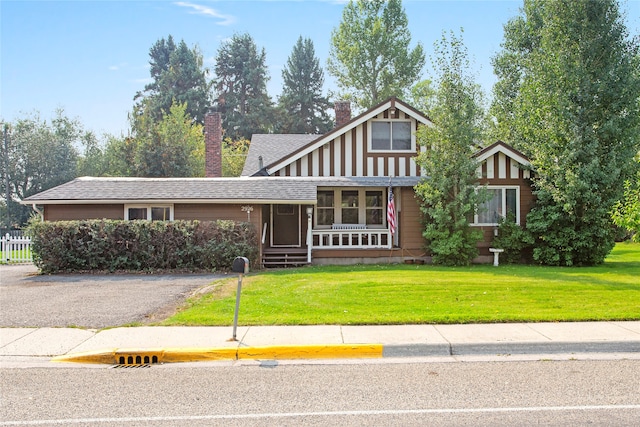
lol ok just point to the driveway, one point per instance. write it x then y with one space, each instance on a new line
91 301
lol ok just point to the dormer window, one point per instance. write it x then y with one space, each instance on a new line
391 135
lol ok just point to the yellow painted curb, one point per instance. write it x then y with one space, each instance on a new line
134 356
175 355
335 351
105 356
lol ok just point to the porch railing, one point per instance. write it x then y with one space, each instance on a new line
351 239
16 249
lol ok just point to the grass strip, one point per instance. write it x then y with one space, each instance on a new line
424 294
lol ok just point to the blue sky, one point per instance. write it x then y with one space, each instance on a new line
91 57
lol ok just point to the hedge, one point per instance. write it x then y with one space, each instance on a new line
115 245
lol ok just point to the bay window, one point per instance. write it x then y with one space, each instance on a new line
351 206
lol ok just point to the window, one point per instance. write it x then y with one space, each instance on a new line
348 206
148 212
374 207
391 136
285 210
325 211
160 213
501 202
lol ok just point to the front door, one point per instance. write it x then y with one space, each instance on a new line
285 226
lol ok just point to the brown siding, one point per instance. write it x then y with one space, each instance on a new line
201 212
79 212
411 223
209 212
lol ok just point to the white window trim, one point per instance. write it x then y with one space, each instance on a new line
148 208
504 204
390 150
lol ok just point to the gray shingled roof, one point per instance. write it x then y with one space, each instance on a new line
296 190
212 190
273 147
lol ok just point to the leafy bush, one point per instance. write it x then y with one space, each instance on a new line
626 212
109 245
568 237
514 239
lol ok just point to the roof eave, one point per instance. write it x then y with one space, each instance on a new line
169 201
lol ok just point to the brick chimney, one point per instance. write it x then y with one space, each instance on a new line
213 145
343 112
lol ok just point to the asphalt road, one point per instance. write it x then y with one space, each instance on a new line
558 393
90 301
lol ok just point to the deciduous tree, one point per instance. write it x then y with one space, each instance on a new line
626 212
39 155
234 154
173 147
370 54
448 192
568 96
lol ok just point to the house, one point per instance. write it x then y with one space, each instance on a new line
319 199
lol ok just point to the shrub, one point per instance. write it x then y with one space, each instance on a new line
110 245
514 239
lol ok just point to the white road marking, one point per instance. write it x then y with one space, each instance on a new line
320 414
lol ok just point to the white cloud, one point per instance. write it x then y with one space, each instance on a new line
118 67
207 11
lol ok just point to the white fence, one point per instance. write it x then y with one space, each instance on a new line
16 249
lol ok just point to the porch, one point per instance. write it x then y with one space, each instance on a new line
350 236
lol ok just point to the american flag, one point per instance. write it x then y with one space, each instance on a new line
391 212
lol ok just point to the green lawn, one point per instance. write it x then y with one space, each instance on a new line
23 254
402 294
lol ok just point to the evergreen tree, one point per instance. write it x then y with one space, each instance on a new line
370 54
448 193
178 76
567 96
302 99
241 85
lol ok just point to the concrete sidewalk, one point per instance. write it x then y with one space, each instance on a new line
181 344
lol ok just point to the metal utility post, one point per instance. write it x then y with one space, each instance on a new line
240 266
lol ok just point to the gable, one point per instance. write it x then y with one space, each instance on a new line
501 161
348 151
